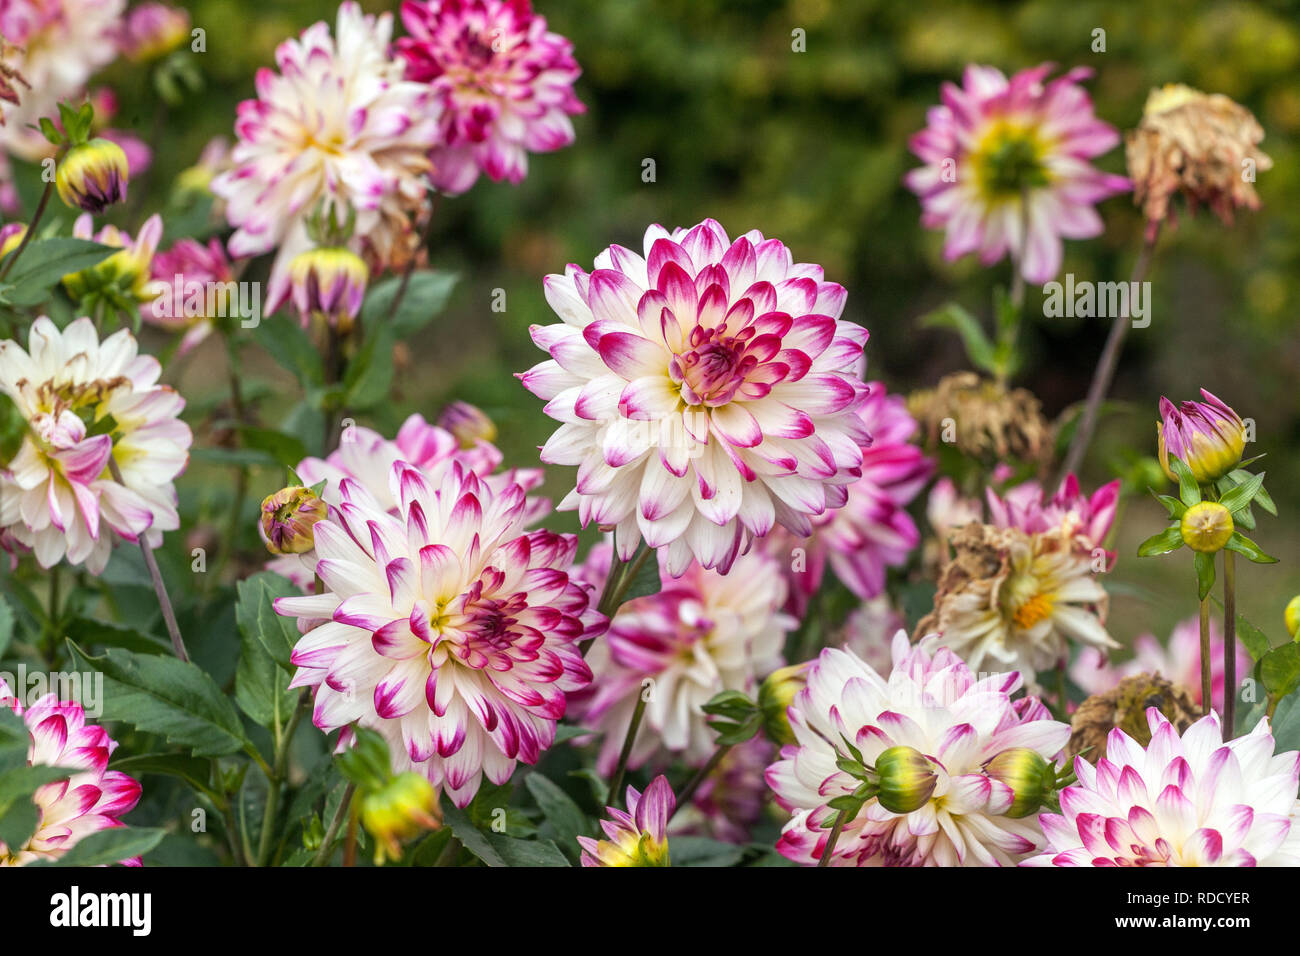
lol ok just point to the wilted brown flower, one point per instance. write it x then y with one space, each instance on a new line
1202 146
984 419
1125 707
10 78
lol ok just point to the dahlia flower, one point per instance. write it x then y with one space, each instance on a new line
505 85
93 176
1196 145
637 837
1009 599
367 458
125 274
930 702
1083 519
151 31
182 278
93 798
336 125
703 633
869 631
947 510
1209 437
1007 167
1179 661
444 626
1193 800
707 392
873 530
88 403
288 517
328 286
56 45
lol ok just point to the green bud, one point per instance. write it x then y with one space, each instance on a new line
1029 775
906 779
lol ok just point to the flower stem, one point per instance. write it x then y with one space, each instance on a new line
616 782
327 844
275 782
841 819
1206 686
1106 365
1229 644
621 575
688 791
31 229
159 588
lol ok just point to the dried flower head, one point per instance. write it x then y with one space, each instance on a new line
983 418
1125 708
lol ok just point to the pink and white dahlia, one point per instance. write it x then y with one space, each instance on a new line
873 531
947 510
732 797
703 633
930 702
637 836
706 392
1190 801
445 626
187 279
869 632
91 799
1006 167
505 85
88 402
1083 519
1179 661
56 45
338 126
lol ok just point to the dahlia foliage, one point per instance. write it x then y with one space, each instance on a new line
803 615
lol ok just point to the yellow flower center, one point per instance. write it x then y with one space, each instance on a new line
1037 608
1008 160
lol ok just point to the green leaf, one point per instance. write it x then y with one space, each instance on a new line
702 851
978 347
473 839
293 349
564 816
166 696
283 448
256 615
6 625
1280 669
646 581
193 770
262 686
46 261
1286 724
426 296
369 377
1171 539
1242 495
1243 545
1204 564
1253 639
1188 490
1265 500
531 853
1172 505
110 846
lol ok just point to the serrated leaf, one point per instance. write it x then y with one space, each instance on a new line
646 581
702 851
293 349
1280 669
1253 639
46 261
426 296
193 770
169 697
262 686
255 614
564 816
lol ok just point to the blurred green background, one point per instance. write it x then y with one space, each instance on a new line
810 147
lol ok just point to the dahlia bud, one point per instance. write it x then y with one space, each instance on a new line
1209 437
288 517
906 779
92 176
11 237
1293 617
404 807
775 695
1206 527
328 285
467 423
151 31
1029 775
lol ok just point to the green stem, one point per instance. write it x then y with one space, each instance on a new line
327 844
275 782
31 230
621 575
1229 645
687 792
841 819
1206 685
53 616
616 782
